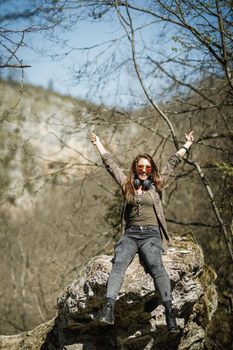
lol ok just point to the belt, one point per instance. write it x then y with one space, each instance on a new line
135 228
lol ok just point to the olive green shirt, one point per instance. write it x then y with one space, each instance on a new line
142 214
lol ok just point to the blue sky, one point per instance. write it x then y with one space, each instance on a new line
59 70
121 88
46 66
57 61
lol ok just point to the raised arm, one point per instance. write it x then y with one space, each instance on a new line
96 141
108 161
189 141
175 159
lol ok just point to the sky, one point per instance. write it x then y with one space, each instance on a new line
47 69
57 61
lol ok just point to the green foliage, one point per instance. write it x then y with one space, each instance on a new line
226 168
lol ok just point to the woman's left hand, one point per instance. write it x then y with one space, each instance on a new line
189 137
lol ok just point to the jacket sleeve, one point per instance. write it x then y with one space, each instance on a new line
167 170
114 169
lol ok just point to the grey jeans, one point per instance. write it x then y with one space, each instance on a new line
147 242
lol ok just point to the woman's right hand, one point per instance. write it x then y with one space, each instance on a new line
94 138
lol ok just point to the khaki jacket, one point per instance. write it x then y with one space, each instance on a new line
120 178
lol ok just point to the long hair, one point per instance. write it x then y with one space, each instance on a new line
129 189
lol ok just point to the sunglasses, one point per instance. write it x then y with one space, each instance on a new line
140 169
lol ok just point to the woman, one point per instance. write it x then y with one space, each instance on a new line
143 225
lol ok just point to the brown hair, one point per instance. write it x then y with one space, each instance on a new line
129 189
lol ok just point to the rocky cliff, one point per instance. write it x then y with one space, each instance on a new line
140 321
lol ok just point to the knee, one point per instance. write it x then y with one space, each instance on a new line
120 265
158 271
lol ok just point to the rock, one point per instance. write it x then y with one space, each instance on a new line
32 340
140 320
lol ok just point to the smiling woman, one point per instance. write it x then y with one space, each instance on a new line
144 227
143 172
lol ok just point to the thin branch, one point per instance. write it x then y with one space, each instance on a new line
155 106
21 66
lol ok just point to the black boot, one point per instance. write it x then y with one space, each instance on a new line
106 315
170 317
